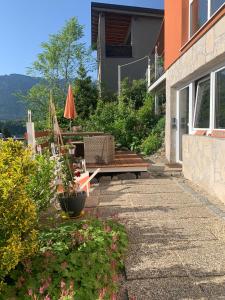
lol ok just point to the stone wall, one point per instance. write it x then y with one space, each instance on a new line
204 163
203 57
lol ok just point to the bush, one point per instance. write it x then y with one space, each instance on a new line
40 188
18 238
104 117
77 260
155 139
133 93
151 144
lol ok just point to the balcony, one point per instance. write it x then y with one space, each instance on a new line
118 51
156 68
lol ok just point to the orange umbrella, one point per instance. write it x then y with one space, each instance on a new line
70 110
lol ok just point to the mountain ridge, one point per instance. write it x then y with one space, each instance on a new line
11 107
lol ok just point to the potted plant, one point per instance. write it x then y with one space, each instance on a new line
71 198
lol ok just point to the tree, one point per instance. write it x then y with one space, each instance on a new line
62 55
57 65
86 94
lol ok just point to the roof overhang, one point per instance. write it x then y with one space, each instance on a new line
118 19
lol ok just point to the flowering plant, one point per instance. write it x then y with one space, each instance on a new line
76 260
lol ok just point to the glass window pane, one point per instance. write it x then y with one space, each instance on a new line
220 99
202 104
199 14
215 5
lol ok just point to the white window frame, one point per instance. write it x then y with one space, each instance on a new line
209 16
195 105
214 101
190 87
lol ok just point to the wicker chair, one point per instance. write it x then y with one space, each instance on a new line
99 149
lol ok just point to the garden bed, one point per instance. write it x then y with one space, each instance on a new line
76 260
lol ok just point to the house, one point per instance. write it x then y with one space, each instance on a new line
192 47
121 35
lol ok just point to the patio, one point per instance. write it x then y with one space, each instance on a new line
176 237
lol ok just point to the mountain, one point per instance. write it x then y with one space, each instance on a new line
12 108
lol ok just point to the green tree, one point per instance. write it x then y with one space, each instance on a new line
86 94
57 64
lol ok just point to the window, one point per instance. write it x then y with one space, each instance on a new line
215 5
202 104
201 11
198 14
220 100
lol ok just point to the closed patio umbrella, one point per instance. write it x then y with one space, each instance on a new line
70 110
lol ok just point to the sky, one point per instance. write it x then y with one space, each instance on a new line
25 24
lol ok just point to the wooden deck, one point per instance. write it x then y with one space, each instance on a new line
125 161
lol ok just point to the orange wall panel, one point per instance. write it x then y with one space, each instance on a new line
173 30
176 39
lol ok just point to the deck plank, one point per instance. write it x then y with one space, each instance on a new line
123 159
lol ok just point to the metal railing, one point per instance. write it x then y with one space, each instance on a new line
118 51
156 68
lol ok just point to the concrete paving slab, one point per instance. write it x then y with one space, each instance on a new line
155 181
213 287
171 212
153 261
177 238
114 200
164 289
203 258
167 231
163 199
154 189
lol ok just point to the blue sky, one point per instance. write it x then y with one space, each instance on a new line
25 24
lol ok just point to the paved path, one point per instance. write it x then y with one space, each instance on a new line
177 238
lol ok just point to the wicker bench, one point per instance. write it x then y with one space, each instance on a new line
99 149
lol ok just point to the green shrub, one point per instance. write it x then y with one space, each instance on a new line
151 144
155 139
40 188
18 238
80 260
104 117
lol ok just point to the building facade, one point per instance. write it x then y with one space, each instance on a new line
194 82
121 35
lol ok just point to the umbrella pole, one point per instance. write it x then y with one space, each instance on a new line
70 125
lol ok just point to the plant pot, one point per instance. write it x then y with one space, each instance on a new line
73 204
72 151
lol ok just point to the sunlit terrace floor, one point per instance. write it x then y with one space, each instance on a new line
176 234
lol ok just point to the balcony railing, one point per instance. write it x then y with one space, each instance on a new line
118 51
156 68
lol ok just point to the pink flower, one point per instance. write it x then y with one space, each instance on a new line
115 238
47 297
85 226
64 265
113 247
113 297
48 254
107 228
71 285
30 292
115 278
102 293
113 264
62 284
41 290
